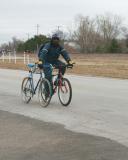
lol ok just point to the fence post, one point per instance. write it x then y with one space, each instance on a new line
3 57
24 58
28 58
9 53
14 52
15 56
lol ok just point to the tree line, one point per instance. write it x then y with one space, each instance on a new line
100 34
31 45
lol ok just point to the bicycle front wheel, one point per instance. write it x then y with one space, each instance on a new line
26 90
45 92
65 92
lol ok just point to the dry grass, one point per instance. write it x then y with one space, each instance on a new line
106 65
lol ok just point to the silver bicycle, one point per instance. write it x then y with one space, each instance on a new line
28 89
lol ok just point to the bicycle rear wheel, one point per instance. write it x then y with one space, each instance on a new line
65 92
26 90
45 92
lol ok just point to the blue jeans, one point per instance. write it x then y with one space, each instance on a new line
47 67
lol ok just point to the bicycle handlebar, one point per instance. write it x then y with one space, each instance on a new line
35 66
67 66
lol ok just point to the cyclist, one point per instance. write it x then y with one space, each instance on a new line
49 56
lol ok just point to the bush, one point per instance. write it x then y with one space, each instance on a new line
32 44
114 47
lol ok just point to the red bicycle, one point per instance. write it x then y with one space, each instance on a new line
60 85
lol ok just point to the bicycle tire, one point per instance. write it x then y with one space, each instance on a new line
26 92
66 86
44 102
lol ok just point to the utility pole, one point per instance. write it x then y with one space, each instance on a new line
28 35
60 32
37 27
58 28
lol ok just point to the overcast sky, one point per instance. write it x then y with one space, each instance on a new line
20 17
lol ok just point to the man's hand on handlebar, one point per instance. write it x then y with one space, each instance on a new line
39 62
71 63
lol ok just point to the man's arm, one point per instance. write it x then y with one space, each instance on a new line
43 53
65 54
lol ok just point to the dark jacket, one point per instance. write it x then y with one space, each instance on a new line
50 53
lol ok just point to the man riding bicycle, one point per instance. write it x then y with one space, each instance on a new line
49 56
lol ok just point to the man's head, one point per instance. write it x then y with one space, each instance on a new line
55 39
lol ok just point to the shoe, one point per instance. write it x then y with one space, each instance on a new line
63 83
56 82
53 92
47 94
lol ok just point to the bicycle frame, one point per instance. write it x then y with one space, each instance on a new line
34 88
59 77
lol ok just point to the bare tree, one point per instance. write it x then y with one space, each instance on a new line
125 32
85 35
92 33
10 46
109 26
125 39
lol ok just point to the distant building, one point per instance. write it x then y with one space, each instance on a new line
74 45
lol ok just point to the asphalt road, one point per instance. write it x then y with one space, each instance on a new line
22 138
99 108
